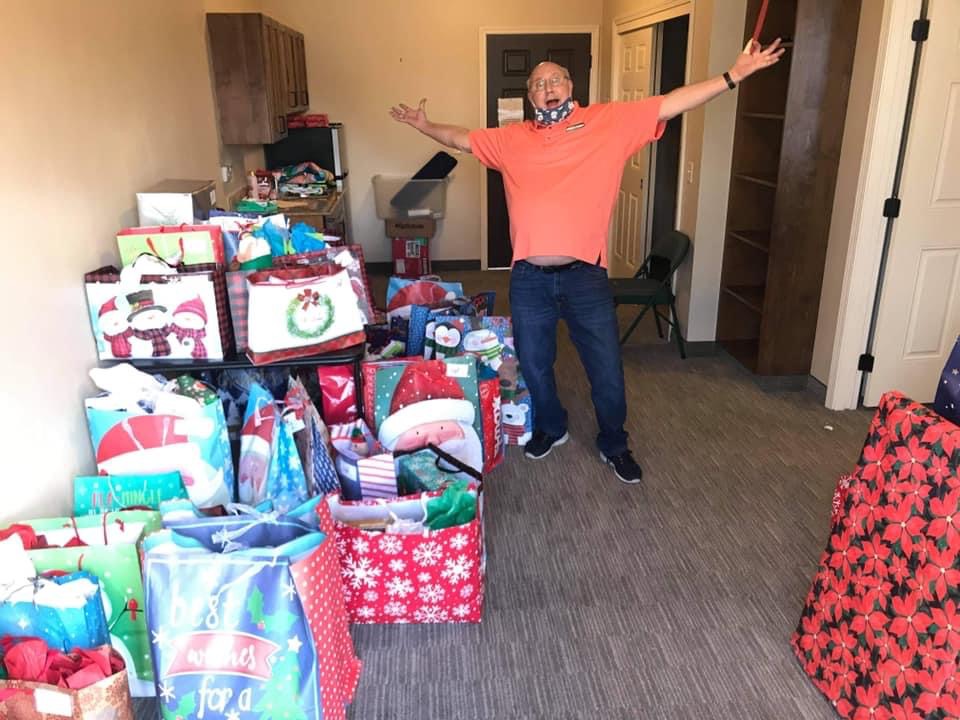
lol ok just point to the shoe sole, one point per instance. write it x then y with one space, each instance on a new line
556 443
621 478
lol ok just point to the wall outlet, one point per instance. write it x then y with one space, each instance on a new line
226 173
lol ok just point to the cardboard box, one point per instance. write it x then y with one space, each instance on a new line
176 202
424 227
411 257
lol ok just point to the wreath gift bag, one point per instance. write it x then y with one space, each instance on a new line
299 312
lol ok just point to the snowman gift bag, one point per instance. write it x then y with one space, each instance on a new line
247 621
156 312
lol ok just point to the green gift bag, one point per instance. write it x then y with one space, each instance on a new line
96 494
112 553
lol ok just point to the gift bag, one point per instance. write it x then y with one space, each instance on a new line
180 315
428 401
238 297
107 698
66 611
258 632
115 561
491 420
196 446
350 258
269 467
947 400
403 294
425 471
176 244
364 468
96 494
338 390
423 576
297 313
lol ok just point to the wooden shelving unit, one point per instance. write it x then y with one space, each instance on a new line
786 149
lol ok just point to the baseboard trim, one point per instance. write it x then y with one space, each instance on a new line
436 266
701 348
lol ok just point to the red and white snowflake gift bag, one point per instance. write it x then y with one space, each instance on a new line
433 576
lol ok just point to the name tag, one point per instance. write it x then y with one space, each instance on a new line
575 126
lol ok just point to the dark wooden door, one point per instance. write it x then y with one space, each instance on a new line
510 58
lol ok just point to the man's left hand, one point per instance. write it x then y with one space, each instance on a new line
755 58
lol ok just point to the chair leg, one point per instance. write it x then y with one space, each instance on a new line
656 317
678 332
633 325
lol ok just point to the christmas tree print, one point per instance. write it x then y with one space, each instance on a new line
281 693
255 608
184 710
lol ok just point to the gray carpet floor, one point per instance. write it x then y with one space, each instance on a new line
672 599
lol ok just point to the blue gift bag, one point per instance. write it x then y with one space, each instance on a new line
947 401
63 628
97 494
235 606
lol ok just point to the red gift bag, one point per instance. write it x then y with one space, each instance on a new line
435 576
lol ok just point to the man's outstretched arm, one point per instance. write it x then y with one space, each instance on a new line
453 136
685 98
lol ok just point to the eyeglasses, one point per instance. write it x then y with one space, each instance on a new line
553 81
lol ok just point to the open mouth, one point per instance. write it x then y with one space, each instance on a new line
552 102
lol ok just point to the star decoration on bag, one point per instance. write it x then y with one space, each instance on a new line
294 644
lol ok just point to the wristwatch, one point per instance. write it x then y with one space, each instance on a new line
730 83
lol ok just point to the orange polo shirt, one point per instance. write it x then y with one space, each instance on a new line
562 180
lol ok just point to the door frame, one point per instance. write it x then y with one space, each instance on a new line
592 30
653 16
878 161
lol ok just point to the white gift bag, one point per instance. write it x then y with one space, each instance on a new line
299 308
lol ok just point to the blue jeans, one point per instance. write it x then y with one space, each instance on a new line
580 296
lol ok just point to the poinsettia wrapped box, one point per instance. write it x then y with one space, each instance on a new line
880 629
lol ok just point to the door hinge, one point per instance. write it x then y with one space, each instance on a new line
921 30
891 207
866 363
590 62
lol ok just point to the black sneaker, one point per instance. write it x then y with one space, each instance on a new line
625 467
541 444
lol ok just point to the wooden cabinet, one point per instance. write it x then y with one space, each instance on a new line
260 76
786 150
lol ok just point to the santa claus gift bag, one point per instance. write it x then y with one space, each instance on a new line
301 312
248 621
161 313
270 467
150 433
413 404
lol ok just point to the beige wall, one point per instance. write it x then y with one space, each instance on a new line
102 99
848 180
366 55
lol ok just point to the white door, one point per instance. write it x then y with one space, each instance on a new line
920 306
635 78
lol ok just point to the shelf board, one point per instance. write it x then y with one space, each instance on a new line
239 360
749 295
746 352
764 116
759 239
769 181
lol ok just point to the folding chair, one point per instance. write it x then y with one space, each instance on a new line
651 286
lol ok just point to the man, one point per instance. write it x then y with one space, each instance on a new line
561 172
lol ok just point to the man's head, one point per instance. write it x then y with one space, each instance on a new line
549 85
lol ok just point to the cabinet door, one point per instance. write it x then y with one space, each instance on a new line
273 56
303 94
288 47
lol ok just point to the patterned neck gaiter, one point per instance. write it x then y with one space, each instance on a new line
549 116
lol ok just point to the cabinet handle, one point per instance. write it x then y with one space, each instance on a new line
293 98
305 97
283 121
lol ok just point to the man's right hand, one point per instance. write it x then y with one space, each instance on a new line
414 117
